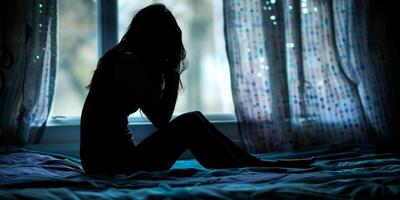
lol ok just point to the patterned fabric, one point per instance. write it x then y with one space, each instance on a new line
305 73
28 31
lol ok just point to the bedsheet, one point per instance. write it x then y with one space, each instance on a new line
349 172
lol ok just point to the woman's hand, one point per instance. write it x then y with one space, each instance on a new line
154 91
155 99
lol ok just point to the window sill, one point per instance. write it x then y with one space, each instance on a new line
75 120
62 134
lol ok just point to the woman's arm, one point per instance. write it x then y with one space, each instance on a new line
144 85
168 99
160 112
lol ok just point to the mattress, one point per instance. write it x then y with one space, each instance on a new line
349 172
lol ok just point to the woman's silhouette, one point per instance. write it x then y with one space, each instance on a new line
143 72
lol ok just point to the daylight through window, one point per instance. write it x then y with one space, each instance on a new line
206 80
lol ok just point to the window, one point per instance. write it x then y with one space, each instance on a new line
206 80
77 55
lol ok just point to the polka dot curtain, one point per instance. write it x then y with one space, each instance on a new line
305 73
28 34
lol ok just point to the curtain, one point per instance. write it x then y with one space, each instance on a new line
306 73
28 67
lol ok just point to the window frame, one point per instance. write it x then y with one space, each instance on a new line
107 25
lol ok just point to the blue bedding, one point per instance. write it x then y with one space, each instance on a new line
351 172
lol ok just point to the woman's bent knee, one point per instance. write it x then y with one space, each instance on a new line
189 120
193 113
187 116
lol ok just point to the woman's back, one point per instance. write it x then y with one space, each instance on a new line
105 135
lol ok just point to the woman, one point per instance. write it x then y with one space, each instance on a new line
143 72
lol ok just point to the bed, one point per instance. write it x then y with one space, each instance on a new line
348 172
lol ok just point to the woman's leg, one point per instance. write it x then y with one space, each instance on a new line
247 159
208 145
211 147
191 131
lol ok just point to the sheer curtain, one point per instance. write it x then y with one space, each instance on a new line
305 73
28 38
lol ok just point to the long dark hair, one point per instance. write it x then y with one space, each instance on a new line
155 36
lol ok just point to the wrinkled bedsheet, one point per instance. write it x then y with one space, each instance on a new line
350 172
